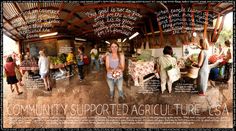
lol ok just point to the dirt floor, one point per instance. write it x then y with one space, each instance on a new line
76 104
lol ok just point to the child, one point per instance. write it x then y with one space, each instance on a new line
9 68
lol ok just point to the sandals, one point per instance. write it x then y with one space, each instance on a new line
20 93
201 94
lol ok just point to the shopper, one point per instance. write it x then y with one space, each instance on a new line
80 62
115 64
44 65
70 60
203 73
94 58
9 69
163 63
221 64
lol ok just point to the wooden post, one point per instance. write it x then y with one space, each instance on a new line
161 33
205 26
145 30
206 23
153 35
221 27
215 29
193 24
173 39
183 18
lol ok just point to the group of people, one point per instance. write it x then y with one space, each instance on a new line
220 61
83 59
115 65
11 70
202 63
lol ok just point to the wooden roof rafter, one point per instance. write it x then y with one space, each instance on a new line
217 4
17 38
18 9
11 26
5 33
228 8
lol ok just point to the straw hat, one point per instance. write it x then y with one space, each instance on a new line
193 72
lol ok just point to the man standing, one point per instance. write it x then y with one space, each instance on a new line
94 58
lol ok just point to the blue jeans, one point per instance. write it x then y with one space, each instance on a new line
81 74
119 83
96 62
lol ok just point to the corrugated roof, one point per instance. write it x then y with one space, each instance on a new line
71 14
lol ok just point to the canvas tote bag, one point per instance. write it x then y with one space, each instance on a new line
173 73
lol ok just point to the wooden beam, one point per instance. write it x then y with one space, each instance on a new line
80 17
183 19
221 27
61 7
217 4
20 12
11 26
206 25
172 37
215 29
193 23
5 33
11 34
38 8
145 31
161 32
230 7
9 23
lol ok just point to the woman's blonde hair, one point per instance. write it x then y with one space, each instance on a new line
41 53
203 44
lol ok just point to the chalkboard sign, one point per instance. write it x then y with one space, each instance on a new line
65 49
48 45
177 20
199 19
184 85
163 18
150 86
188 19
34 82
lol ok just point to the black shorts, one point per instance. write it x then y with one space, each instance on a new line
11 80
